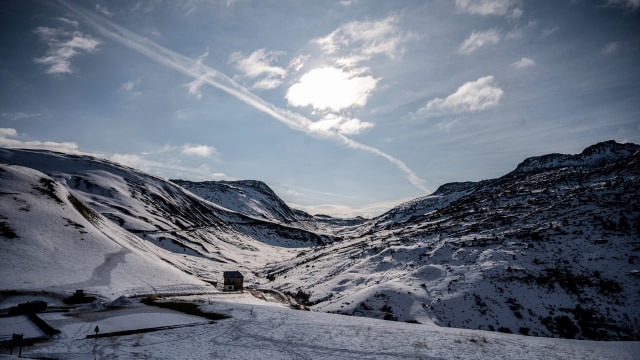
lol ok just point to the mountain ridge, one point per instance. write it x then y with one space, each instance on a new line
594 155
548 230
549 249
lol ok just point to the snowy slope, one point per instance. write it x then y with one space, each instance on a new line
194 235
259 330
250 197
256 199
550 249
52 241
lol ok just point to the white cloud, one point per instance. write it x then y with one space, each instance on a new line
18 115
524 62
5 132
180 114
516 13
63 46
366 39
8 135
342 125
133 160
477 95
191 6
167 168
130 87
193 87
329 88
345 211
200 59
258 63
448 124
612 48
152 31
297 63
266 84
478 39
258 66
626 4
214 78
549 31
198 150
103 9
161 163
68 21
508 8
514 34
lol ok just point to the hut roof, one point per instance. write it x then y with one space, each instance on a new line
232 274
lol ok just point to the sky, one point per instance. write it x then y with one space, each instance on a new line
345 107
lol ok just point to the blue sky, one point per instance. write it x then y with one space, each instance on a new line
342 107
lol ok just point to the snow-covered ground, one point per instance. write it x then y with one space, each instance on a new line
527 253
263 330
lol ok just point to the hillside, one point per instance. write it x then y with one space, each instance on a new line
52 241
195 236
256 199
550 249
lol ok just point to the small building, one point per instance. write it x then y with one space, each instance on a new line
232 281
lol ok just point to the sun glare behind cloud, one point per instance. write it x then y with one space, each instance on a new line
329 88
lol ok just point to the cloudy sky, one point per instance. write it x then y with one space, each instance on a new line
343 107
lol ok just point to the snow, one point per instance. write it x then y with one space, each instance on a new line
100 256
18 325
504 253
259 330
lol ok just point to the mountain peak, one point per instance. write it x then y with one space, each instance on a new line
594 155
256 184
610 149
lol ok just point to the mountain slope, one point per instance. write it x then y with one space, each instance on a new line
549 249
51 240
256 199
250 197
199 237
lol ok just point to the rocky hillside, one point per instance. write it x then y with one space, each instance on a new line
256 199
550 249
197 236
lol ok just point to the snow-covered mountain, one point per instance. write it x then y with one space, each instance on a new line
550 249
249 197
256 199
50 240
194 235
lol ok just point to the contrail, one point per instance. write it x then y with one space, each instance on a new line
206 74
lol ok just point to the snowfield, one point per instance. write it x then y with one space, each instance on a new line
549 250
96 255
262 330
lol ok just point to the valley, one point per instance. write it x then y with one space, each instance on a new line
550 249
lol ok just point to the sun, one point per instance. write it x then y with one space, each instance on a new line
330 88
